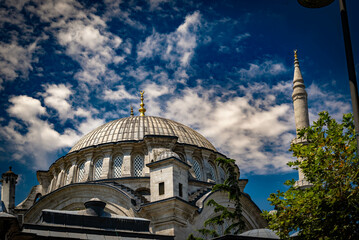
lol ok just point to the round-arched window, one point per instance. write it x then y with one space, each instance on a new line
117 167
222 174
138 165
212 173
197 169
81 173
98 169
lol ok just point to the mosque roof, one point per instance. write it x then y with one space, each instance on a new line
135 128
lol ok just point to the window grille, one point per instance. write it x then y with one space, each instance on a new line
138 166
212 173
197 169
98 169
117 165
81 172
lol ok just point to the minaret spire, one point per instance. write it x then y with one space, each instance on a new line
142 110
300 104
299 97
132 111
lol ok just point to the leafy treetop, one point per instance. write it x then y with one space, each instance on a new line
329 208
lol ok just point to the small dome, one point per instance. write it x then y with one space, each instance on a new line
167 154
135 128
262 233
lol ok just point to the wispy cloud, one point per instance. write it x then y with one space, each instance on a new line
84 36
119 94
177 48
31 133
268 67
240 126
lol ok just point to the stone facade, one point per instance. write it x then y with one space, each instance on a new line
141 167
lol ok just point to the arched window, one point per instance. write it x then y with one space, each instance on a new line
117 167
67 176
138 165
197 169
222 174
97 169
81 174
212 172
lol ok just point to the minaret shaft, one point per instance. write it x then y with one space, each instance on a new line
300 104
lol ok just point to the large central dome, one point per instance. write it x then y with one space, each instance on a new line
135 128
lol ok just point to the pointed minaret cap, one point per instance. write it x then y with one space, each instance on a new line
142 110
298 83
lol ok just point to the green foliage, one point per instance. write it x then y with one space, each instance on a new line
231 187
329 208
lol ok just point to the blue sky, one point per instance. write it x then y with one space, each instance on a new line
224 68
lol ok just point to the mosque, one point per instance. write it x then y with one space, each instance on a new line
138 177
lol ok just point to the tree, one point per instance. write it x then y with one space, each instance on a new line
231 187
329 208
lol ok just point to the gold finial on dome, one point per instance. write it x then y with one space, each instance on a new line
132 111
295 54
142 110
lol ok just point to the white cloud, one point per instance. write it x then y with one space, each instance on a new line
114 10
155 4
266 68
16 60
40 136
26 108
323 99
152 93
240 126
177 47
31 133
84 36
56 96
240 37
119 94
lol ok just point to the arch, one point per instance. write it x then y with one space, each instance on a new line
37 197
73 197
182 156
97 169
250 211
138 165
117 166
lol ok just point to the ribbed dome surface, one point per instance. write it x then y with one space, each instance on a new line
135 128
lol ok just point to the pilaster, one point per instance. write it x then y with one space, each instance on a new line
72 170
106 164
88 167
126 164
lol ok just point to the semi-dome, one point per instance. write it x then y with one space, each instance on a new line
136 127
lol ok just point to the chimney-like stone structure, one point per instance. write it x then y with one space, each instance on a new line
8 182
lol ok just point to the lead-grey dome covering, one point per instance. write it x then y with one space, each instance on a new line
135 128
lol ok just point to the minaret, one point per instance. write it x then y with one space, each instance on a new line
300 105
8 190
142 110
132 111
